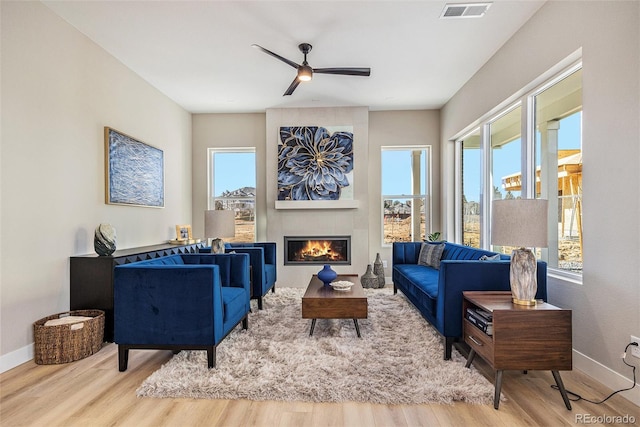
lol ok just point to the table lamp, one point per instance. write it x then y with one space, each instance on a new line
219 224
521 223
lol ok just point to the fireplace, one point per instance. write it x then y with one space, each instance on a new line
304 250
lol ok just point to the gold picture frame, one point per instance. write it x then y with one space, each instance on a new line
183 232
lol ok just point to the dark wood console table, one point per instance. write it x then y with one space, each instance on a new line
91 278
523 337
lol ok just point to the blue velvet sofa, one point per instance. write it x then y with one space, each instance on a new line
262 258
437 293
179 302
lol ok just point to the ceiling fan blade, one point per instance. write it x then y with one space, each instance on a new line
294 84
344 71
275 55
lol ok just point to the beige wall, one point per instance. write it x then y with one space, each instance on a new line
606 306
58 92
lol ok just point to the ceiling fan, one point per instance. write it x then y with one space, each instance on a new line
305 72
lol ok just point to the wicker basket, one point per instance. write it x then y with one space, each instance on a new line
64 344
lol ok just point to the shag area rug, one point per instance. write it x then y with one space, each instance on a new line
398 360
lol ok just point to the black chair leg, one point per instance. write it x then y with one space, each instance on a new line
211 357
123 357
245 322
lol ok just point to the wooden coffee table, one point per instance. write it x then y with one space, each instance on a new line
323 302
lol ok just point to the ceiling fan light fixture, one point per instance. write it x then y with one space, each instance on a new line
305 73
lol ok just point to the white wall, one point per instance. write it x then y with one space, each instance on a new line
58 92
606 306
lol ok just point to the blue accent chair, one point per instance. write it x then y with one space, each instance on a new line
179 302
437 294
262 258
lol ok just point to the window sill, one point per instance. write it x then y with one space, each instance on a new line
564 276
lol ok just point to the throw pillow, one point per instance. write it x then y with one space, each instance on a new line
430 254
495 257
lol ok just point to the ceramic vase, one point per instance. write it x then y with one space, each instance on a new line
327 275
368 279
104 240
378 270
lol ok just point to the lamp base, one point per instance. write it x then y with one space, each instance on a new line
523 302
522 275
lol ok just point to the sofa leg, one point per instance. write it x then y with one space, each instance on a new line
273 290
448 345
259 303
211 357
395 289
245 322
123 357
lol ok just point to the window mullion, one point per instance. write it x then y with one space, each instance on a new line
486 186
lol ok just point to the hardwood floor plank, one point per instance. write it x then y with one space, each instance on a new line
92 392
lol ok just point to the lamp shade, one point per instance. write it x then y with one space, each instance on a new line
219 223
519 222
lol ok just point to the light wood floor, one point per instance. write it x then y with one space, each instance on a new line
92 392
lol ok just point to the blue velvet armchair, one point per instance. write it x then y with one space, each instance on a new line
262 258
180 302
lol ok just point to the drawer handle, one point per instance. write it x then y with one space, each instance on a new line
475 341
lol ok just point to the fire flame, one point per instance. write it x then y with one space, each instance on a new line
318 248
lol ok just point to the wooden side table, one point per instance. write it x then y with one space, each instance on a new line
523 338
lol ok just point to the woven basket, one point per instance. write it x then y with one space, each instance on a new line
64 344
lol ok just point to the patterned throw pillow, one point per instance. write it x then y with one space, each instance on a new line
430 254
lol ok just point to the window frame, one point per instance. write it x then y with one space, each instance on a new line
526 100
211 198
426 196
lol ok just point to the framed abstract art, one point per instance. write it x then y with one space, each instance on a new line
134 171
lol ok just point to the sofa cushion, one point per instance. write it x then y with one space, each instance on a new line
430 254
495 257
424 278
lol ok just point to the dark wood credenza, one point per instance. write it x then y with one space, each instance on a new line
91 276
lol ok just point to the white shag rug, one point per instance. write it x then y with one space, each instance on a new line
398 360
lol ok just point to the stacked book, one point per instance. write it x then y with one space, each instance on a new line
480 318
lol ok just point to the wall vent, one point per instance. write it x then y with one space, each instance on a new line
464 10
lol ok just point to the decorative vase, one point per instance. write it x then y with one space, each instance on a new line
368 279
378 270
327 275
104 240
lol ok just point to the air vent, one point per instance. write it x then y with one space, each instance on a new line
464 10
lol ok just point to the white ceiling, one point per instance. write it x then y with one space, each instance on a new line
199 53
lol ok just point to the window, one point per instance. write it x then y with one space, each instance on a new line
232 186
558 145
405 203
498 161
470 173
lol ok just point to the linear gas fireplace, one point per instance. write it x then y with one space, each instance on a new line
302 250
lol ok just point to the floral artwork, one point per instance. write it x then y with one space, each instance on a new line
314 164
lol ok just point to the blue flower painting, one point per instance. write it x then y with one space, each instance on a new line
313 164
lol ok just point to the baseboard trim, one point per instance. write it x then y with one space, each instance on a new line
16 357
608 377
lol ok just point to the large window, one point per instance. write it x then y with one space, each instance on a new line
531 149
233 186
405 193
